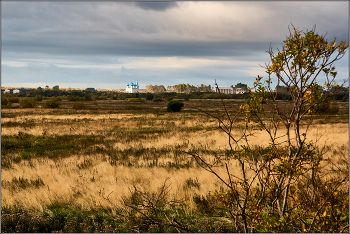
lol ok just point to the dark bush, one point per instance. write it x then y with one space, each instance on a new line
101 97
327 107
71 98
149 96
158 99
53 103
87 97
4 101
174 106
78 105
39 98
27 103
13 99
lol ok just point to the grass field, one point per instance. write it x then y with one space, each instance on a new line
85 162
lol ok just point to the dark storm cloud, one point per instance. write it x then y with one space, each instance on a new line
122 47
156 6
121 29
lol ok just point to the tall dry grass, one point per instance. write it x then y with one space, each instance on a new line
85 180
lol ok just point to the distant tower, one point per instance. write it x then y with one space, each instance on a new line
132 88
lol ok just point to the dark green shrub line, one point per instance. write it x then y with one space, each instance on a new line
30 146
132 107
24 146
22 183
28 124
158 130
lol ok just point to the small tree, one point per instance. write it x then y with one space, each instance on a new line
283 187
240 85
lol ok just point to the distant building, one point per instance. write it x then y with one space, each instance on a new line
240 90
132 88
16 91
230 90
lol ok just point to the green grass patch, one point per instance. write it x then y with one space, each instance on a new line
27 146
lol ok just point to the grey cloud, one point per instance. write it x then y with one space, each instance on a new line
156 6
116 28
100 32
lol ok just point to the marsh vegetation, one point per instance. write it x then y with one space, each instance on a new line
74 170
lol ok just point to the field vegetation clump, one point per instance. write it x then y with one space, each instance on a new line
174 106
53 103
79 105
27 103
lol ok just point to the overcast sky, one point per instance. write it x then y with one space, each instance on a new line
109 44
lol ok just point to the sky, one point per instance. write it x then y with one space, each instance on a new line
109 44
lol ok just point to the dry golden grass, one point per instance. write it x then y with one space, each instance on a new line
66 183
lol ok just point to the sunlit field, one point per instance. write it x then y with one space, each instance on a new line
91 159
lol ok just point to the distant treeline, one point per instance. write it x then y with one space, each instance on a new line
92 94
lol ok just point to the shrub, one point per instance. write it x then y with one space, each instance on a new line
39 98
158 99
13 99
328 108
71 98
149 96
53 103
87 97
27 103
101 97
78 105
4 101
174 106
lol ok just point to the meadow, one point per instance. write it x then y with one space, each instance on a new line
67 170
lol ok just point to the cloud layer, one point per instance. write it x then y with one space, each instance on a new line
92 43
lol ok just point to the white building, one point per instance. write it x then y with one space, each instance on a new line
230 90
240 90
132 88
